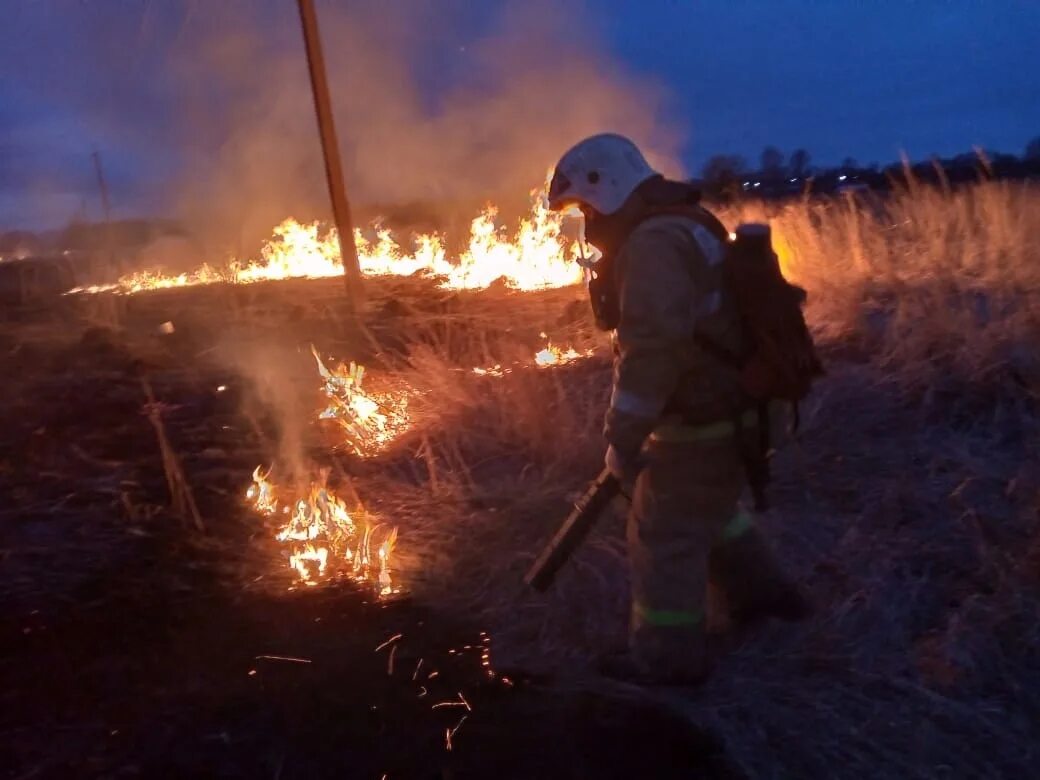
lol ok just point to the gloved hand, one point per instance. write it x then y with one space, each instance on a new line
625 469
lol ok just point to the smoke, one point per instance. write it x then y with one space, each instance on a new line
425 114
276 400
205 109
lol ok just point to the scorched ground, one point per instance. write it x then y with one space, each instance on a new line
136 646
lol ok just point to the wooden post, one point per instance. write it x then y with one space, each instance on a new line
106 205
106 208
330 149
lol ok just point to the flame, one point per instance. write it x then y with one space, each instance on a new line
536 256
495 370
261 493
550 355
785 252
371 421
320 530
387 547
554 356
310 553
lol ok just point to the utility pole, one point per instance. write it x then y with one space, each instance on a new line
106 205
330 149
106 208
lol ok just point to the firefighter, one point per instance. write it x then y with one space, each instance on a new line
674 439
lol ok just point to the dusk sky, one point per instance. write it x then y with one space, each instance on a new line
859 79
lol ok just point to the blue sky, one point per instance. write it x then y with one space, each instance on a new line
837 77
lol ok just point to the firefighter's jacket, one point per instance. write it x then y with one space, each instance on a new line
668 274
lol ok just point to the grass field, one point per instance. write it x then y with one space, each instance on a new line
907 507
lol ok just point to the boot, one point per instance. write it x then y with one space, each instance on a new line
786 603
755 587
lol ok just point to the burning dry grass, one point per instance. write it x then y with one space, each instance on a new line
324 536
368 421
371 426
908 507
534 255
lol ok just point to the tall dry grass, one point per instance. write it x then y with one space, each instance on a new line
930 279
907 508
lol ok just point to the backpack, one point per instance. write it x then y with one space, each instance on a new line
779 361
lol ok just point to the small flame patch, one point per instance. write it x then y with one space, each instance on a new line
323 537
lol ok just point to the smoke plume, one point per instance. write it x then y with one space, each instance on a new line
207 111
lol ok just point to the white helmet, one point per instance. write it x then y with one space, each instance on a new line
601 172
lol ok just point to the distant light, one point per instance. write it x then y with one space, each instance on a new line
794 180
843 177
221 388
758 184
747 184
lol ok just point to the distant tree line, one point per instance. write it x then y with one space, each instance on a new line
728 176
724 177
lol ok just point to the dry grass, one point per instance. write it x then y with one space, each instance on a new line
908 508
928 281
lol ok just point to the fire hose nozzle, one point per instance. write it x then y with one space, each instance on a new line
572 533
